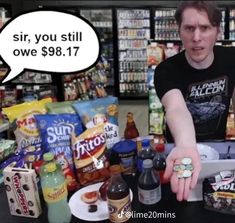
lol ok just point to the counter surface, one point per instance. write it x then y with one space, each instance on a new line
168 208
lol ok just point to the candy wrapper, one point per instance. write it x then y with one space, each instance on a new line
219 192
102 110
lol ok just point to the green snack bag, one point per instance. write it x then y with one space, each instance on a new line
60 107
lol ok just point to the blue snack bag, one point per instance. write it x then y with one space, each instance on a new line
98 111
55 131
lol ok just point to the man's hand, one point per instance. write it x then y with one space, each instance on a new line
182 186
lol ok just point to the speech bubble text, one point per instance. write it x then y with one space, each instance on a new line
49 41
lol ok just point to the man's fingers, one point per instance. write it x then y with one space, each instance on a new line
180 191
196 172
174 183
187 188
168 170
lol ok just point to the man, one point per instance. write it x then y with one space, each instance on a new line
195 88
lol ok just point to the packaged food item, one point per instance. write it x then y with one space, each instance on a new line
125 154
89 153
55 131
219 192
7 147
22 192
155 54
60 107
22 118
101 110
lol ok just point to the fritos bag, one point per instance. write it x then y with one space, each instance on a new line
89 152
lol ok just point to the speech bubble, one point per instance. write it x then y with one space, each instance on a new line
48 41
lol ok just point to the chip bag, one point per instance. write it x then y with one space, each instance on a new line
60 107
89 152
101 110
22 118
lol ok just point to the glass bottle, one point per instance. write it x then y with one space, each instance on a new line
118 196
131 131
55 194
149 187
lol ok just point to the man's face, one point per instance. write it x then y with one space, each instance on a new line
198 36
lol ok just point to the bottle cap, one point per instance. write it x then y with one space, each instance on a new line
148 163
48 156
160 147
145 143
50 167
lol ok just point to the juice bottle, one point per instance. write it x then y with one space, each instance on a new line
55 194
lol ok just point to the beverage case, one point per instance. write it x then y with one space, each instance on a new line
22 192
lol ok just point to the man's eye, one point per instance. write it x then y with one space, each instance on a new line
189 28
204 28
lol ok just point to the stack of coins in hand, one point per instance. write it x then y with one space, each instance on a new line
184 169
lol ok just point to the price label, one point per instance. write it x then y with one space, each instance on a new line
59 51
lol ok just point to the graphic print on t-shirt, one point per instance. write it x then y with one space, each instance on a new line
207 102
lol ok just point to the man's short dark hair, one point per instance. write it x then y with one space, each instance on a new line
213 12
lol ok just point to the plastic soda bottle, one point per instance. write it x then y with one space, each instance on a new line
146 153
55 193
149 187
159 161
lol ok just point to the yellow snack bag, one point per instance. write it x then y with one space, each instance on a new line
22 118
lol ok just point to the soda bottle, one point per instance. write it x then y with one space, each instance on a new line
149 187
55 194
145 153
118 197
131 131
159 161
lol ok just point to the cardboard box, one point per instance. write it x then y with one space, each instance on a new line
22 192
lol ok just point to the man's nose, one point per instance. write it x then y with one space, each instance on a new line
197 35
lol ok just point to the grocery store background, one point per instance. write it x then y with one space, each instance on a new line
125 29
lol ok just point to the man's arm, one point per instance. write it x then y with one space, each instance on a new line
179 119
182 129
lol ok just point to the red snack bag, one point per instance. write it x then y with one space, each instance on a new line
89 153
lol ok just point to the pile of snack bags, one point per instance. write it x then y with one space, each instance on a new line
78 133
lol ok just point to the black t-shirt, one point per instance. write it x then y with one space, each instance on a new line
207 92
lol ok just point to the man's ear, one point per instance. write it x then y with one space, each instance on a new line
219 33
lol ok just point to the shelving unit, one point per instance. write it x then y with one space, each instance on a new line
133 33
102 20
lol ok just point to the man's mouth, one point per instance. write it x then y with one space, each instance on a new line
197 48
